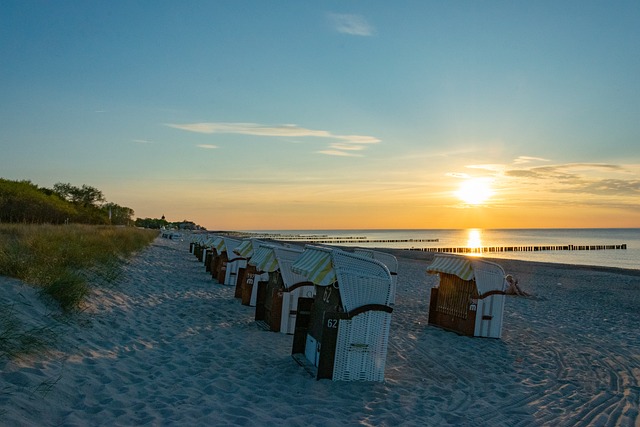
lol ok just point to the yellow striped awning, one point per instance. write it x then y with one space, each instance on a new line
244 249
316 265
218 244
264 259
230 245
452 264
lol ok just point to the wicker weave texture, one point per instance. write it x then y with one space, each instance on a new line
489 277
455 295
361 280
389 261
361 348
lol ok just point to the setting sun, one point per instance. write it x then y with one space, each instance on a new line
475 191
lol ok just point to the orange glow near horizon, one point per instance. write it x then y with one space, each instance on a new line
429 204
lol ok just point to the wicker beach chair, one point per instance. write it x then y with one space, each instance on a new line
470 296
204 249
194 241
277 298
234 262
222 251
199 245
342 333
212 260
248 276
387 259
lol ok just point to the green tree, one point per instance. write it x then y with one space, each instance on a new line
120 215
85 195
151 223
22 201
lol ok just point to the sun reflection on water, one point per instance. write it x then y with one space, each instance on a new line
474 238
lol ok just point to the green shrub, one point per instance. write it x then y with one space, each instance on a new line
68 289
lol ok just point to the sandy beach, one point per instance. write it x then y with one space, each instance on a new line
167 345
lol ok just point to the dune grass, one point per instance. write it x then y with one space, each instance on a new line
16 339
62 259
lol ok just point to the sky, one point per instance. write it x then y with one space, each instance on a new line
281 115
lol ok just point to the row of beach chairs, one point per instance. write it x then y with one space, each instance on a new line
337 304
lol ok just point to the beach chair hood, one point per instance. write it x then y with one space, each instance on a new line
456 265
362 280
247 247
263 259
230 244
488 276
218 244
316 265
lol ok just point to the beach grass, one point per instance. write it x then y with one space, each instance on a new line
62 259
17 340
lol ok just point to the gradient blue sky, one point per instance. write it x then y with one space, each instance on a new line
330 114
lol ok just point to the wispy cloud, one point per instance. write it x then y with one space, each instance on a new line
346 144
338 153
142 141
586 178
488 167
250 129
354 25
612 186
527 159
565 171
347 147
457 175
207 146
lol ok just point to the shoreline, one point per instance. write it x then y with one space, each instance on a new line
169 346
428 256
402 253
463 241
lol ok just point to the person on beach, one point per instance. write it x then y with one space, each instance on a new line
513 288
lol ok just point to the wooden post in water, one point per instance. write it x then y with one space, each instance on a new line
532 248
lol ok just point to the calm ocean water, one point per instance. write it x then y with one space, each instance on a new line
474 238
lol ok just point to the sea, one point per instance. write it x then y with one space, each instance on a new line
605 247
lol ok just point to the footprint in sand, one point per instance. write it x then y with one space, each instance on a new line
221 386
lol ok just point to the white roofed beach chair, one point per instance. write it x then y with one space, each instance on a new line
342 333
234 261
470 296
277 299
249 276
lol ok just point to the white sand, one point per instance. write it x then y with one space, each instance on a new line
166 345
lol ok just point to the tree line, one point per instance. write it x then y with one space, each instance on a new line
25 202
158 223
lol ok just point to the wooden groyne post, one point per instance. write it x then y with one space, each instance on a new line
524 248
338 240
